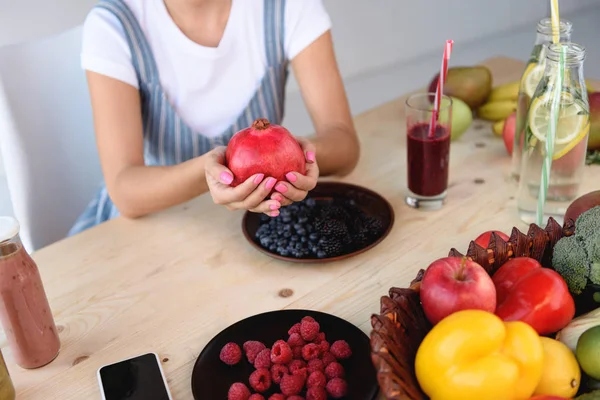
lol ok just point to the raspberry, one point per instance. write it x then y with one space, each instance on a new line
277 396
334 370
297 352
324 346
294 329
337 388
281 353
231 354
295 397
328 358
277 372
292 384
307 319
263 359
316 393
260 380
256 396
320 337
310 352
341 349
309 330
315 365
296 365
252 348
238 391
296 340
316 379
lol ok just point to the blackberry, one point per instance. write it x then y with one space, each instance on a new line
336 230
331 248
335 212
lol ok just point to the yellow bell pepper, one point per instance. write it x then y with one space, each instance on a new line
474 355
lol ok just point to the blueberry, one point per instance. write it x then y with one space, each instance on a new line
303 239
314 236
321 254
298 226
265 240
287 227
287 220
298 246
310 202
287 234
273 247
295 238
301 232
284 253
302 220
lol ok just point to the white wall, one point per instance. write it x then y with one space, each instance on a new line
384 47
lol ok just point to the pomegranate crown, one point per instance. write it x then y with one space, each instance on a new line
261 124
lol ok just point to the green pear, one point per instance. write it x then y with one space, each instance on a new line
462 117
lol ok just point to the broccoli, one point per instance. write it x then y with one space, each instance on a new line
577 258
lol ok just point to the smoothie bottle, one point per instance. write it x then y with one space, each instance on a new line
24 310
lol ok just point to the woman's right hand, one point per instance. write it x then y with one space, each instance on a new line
250 195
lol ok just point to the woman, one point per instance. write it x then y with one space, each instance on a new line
171 81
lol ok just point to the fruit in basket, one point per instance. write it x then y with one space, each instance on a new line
483 240
577 257
534 295
462 117
469 84
570 334
497 111
452 284
582 204
504 358
508 132
506 91
561 375
264 148
588 352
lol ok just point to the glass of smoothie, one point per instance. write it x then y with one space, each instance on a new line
428 150
24 310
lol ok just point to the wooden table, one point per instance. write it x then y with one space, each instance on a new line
170 282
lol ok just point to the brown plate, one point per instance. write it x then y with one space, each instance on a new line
370 202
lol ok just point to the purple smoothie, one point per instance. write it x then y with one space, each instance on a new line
428 160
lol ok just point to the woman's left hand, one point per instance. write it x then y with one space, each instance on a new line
297 186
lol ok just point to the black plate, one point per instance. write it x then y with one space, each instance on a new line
211 378
370 202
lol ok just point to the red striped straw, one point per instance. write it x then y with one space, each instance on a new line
440 86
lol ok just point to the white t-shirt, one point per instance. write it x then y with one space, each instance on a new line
208 87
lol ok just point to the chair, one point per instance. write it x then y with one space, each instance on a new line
46 136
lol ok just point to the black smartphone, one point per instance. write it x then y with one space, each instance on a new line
137 378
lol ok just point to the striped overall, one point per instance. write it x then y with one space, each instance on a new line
168 140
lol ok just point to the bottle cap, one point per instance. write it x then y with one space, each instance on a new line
9 228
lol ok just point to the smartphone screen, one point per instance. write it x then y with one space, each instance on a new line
138 378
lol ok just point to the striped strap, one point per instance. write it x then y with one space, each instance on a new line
274 23
141 54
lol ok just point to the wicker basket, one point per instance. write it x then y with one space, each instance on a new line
401 325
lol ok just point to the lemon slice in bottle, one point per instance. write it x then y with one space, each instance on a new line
532 76
573 122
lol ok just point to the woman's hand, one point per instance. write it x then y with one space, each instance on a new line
297 186
249 195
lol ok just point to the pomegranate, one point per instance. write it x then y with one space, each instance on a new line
264 148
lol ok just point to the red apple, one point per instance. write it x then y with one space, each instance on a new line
483 240
594 139
508 132
582 204
453 284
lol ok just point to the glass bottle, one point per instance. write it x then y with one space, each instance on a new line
24 310
7 389
529 80
572 131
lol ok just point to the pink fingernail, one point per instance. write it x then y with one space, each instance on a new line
310 156
274 213
274 206
226 178
291 177
258 179
281 188
278 198
270 183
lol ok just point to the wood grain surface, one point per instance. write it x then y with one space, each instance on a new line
169 282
